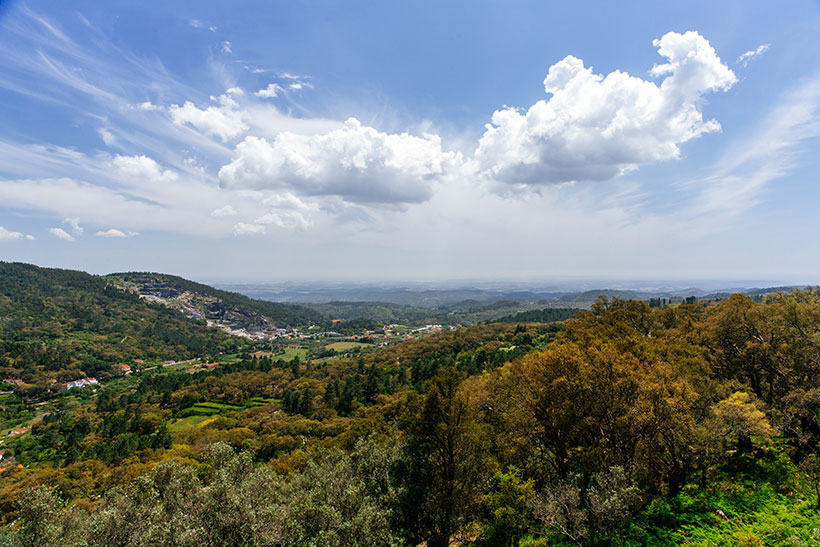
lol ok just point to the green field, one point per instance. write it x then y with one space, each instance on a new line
208 409
290 353
260 401
346 346
187 423
213 408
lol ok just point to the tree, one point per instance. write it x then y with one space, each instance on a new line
507 513
444 462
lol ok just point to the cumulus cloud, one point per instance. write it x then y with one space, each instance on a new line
61 234
287 211
357 163
594 127
226 47
113 232
142 167
7 235
752 54
273 90
226 211
74 223
224 120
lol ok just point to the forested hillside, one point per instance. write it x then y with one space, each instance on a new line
62 325
627 425
216 303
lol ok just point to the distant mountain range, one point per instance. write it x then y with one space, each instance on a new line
451 297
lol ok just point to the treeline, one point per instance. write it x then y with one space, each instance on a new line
467 312
546 315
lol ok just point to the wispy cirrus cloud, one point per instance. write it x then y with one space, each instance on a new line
61 234
740 178
752 54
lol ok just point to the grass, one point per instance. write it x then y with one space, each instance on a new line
260 401
203 413
187 423
229 359
213 408
756 513
290 353
346 346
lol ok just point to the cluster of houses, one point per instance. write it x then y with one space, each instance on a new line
78 384
53 385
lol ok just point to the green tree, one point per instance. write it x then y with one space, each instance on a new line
507 515
445 462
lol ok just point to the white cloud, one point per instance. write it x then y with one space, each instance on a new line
287 211
29 237
7 235
285 219
148 106
226 47
271 91
752 54
235 91
74 223
299 85
356 162
243 229
107 137
113 232
62 234
593 128
226 211
142 168
225 121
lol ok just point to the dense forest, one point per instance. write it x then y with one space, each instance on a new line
64 325
677 424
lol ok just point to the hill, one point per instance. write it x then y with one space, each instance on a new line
64 324
230 311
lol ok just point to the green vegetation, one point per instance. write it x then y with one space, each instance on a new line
284 315
64 325
345 346
547 315
626 425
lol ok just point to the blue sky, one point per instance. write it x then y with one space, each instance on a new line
372 141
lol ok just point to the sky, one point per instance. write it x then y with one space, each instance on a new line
412 141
